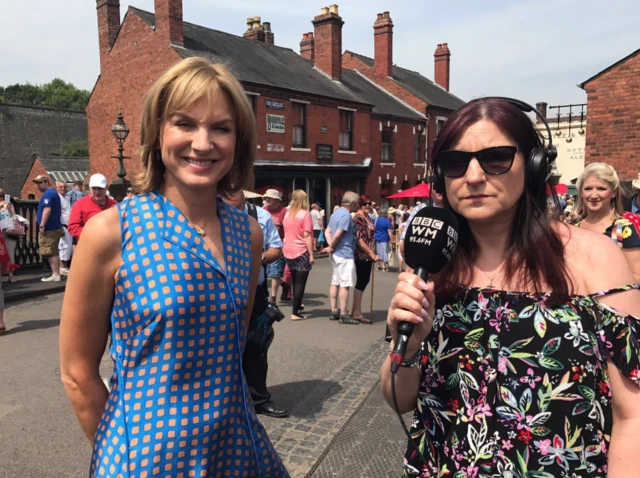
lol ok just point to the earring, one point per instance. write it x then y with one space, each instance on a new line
157 155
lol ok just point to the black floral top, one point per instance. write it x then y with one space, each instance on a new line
625 230
513 386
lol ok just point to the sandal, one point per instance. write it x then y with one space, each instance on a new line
362 319
347 319
297 317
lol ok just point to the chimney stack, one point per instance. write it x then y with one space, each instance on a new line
268 34
383 45
442 64
169 20
108 25
307 49
255 29
328 41
542 109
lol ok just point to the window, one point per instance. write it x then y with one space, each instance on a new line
299 125
439 125
253 100
346 130
417 146
386 146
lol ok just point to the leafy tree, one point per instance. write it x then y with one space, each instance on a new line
57 93
75 148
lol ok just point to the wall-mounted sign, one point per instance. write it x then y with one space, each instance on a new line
275 124
275 105
324 151
323 129
275 148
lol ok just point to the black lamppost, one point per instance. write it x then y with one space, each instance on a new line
120 131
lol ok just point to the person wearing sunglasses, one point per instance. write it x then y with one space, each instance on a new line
524 359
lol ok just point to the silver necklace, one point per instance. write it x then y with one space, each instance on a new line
490 284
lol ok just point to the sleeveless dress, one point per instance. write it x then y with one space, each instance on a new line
179 405
515 385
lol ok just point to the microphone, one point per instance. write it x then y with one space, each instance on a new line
430 240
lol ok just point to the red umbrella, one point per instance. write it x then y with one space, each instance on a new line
559 189
419 191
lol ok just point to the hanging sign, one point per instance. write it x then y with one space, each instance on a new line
275 124
275 105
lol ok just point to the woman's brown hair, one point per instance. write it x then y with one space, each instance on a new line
535 253
179 89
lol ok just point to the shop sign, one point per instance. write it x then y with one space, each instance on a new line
324 152
323 129
275 148
275 105
275 124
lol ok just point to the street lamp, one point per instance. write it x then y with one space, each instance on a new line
120 131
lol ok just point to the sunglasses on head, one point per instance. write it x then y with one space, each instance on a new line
495 161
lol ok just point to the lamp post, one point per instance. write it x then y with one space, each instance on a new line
120 131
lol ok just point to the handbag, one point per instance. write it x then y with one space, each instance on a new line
17 229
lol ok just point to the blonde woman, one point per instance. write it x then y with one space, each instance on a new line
171 274
298 247
600 209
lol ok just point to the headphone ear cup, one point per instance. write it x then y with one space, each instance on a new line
537 168
438 179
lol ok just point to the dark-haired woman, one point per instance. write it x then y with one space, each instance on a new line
365 255
527 351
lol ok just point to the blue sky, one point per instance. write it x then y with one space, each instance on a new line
535 50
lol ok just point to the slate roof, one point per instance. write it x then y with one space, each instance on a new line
420 86
257 62
383 102
66 169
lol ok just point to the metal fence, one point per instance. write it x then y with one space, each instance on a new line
27 247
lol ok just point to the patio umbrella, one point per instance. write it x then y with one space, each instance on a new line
251 195
559 189
419 191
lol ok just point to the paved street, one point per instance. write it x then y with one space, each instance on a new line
326 373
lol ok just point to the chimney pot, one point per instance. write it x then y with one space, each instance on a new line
333 8
255 30
324 10
380 16
268 34
249 23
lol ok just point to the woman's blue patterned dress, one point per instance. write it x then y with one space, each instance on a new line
179 404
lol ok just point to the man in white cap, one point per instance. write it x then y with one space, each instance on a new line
275 270
87 207
633 203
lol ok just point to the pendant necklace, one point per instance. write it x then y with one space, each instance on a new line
491 279
199 230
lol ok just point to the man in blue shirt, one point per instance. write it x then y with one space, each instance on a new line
49 225
340 235
75 194
260 333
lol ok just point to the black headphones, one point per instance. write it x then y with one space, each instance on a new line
541 158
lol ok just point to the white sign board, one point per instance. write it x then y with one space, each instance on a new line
275 148
275 124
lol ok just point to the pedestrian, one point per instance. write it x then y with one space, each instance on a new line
402 230
87 207
75 193
365 255
260 333
383 231
12 234
275 270
341 245
632 204
171 276
600 209
318 224
131 193
518 364
50 228
66 241
298 247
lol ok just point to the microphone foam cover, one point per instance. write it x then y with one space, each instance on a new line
431 239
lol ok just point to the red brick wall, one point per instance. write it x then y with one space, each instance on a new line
29 186
327 36
137 59
383 45
613 118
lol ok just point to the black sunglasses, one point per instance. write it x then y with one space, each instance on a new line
365 204
496 160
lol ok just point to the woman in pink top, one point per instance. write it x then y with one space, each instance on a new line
298 247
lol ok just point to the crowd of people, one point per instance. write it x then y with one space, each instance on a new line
524 358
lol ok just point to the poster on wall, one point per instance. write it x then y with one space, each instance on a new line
275 124
275 105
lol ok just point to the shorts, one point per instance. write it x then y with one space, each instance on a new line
301 263
276 269
65 246
342 271
316 233
48 242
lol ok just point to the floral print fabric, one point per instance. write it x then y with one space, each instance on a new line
515 386
365 230
625 230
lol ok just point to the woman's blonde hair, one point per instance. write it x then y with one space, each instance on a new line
178 90
299 200
605 173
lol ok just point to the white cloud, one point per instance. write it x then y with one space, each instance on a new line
537 50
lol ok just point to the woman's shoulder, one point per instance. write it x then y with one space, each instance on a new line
626 230
103 232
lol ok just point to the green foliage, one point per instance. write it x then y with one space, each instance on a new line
75 148
57 94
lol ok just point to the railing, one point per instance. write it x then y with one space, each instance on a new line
27 247
568 114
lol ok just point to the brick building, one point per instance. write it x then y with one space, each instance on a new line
321 127
613 116
68 170
27 132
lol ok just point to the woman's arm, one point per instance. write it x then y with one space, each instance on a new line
84 323
257 243
307 234
633 258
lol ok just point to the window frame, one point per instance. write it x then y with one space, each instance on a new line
348 134
388 132
303 126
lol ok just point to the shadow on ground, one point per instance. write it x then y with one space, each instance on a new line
32 325
304 399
